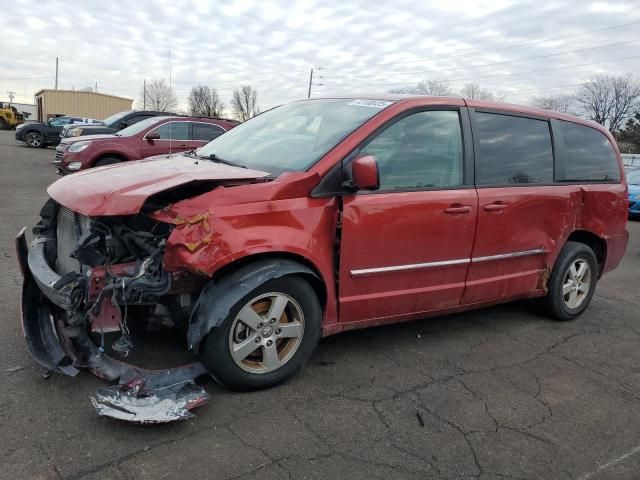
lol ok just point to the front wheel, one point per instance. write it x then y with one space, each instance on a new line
572 283
267 337
34 140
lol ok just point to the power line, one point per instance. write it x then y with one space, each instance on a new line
501 49
523 73
501 62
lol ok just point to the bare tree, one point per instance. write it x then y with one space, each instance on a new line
205 101
475 91
557 103
159 96
434 88
609 100
245 102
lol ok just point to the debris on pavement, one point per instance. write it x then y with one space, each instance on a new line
134 403
17 368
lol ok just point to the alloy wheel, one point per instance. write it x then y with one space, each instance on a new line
33 140
266 333
576 284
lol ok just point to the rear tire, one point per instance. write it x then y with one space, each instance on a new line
3 124
572 283
106 161
270 347
34 140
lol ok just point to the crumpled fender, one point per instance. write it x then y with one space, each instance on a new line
218 297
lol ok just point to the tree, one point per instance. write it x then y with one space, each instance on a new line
630 134
159 96
474 90
557 103
245 102
434 88
609 100
205 101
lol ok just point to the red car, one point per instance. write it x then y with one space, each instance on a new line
154 136
317 217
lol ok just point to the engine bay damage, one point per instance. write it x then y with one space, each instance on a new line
88 281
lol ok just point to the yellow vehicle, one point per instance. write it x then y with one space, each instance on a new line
9 117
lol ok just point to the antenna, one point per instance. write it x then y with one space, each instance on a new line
168 104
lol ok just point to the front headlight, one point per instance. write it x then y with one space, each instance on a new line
74 166
22 125
78 146
75 132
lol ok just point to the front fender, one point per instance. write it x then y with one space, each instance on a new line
219 296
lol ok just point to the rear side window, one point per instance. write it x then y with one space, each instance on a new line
588 155
512 150
206 132
174 131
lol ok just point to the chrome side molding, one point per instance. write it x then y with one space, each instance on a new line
444 263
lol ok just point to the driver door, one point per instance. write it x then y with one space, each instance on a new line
405 248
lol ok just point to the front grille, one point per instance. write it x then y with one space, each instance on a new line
59 155
70 226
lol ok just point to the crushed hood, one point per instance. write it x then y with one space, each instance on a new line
122 189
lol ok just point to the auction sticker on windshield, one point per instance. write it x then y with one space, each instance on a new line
371 103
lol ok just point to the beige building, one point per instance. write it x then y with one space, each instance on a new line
52 103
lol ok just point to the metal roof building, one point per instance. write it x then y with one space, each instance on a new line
51 103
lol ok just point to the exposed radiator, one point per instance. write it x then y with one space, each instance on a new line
70 226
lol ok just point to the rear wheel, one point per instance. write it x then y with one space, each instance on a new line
572 283
106 161
3 124
267 337
34 140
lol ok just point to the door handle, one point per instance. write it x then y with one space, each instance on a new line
495 207
457 209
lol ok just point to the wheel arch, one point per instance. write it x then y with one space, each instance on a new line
120 156
236 279
595 242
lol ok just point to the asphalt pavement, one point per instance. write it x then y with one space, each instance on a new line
490 394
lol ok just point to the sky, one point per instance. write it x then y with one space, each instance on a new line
518 48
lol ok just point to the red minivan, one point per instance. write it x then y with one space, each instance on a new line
321 216
153 136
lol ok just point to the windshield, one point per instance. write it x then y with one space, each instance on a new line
292 137
136 128
114 118
633 178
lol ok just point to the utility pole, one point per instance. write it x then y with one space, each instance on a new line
11 96
310 83
144 94
96 89
56 73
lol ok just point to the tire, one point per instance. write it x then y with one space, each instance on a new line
106 161
255 371
34 139
558 303
3 124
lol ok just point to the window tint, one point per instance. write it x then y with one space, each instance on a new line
588 155
206 132
512 150
422 150
174 131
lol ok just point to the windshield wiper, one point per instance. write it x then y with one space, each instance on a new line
214 158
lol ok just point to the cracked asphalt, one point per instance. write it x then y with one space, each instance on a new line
490 394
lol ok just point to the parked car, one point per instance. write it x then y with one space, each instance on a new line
633 181
43 134
322 216
153 136
112 124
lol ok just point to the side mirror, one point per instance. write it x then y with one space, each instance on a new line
151 136
364 172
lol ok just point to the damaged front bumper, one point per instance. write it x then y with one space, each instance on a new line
142 395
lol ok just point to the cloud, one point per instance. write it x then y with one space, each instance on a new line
359 45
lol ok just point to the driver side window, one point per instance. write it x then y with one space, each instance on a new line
422 150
